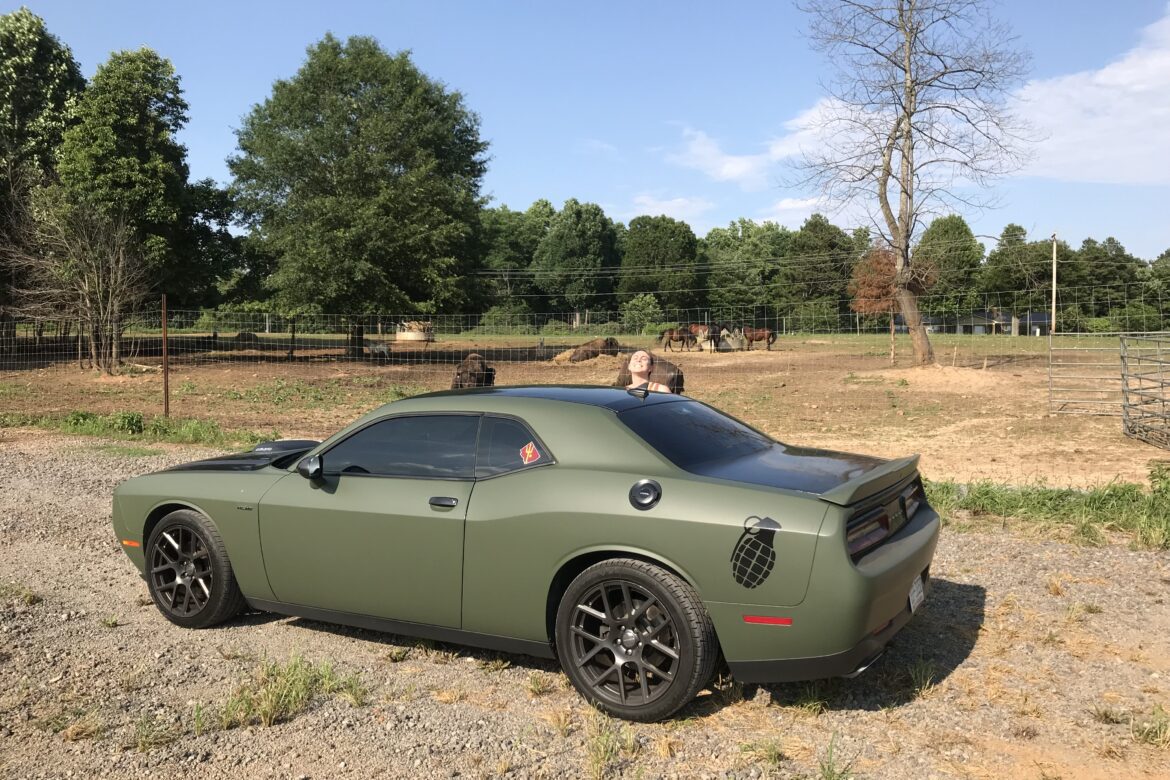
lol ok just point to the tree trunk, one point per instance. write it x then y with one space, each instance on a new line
357 341
908 304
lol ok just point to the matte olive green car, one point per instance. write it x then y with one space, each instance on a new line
633 536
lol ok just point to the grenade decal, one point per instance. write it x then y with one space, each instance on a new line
754 556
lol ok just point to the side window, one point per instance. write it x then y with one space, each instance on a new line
441 446
506 445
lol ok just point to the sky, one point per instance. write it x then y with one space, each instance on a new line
693 110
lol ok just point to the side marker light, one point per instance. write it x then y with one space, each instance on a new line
131 543
767 621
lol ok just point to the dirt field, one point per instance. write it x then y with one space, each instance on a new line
968 423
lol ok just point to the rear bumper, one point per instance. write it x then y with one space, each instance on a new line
843 664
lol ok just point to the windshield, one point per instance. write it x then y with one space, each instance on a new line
689 434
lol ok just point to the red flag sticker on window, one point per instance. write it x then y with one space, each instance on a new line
529 453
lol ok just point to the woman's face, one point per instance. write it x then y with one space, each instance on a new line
640 362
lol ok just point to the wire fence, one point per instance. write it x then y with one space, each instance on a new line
1004 331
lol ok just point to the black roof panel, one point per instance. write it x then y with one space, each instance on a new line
614 398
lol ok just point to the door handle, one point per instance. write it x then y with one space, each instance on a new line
445 502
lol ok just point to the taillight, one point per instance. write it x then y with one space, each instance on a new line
913 497
867 531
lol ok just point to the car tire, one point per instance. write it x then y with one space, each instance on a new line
635 639
188 572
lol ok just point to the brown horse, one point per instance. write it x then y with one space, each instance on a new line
759 334
681 335
701 333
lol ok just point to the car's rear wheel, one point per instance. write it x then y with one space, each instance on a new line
634 639
188 572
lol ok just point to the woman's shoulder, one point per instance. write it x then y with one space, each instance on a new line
658 387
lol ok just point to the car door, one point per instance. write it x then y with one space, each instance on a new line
381 532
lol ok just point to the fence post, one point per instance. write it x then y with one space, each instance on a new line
166 362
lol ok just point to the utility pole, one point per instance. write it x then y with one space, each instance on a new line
1052 322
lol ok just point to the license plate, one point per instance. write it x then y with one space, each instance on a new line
917 594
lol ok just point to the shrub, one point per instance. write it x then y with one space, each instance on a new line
556 328
640 311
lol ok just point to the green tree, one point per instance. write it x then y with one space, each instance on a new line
510 239
660 256
361 175
1110 275
122 158
743 258
39 85
1018 273
954 258
576 262
816 267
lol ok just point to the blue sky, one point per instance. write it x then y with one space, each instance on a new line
680 108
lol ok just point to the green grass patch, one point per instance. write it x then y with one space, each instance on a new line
135 426
279 692
1118 506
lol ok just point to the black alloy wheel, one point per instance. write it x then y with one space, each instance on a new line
180 571
188 573
635 639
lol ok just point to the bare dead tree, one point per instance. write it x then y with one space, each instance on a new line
916 118
75 262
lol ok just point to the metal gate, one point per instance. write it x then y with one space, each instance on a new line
1145 377
1084 374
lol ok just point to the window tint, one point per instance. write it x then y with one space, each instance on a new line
689 434
506 445
423 446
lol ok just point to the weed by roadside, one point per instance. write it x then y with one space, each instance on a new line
1153 730
606 741
11 591
150 732
279 692
830 765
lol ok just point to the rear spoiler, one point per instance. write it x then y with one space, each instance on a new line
872 482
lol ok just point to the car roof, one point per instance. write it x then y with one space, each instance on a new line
614 398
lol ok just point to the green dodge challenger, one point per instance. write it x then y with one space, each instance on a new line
632 536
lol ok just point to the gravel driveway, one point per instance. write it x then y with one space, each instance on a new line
1032 658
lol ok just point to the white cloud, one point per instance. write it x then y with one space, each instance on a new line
752 172
688 210
703 153
791 212
1110 125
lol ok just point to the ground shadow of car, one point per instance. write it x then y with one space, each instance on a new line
939 638
400 647
934 644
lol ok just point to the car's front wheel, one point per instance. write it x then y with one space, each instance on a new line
635 639
188 572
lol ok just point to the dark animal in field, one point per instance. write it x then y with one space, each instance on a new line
703 332
244 337
765 335
680 335
591 349
664 372
474 371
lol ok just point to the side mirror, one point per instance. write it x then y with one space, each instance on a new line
310 468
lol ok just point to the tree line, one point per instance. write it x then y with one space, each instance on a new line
357 188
